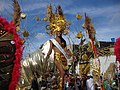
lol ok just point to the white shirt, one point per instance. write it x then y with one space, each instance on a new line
90 84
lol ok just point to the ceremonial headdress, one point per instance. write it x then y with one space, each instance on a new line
56 21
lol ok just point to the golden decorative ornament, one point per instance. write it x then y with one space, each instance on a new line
79 35
79 17
66 32
23 40
89 49
83 25
17 28
23 15
16 13
96 72
69 23
57 21
89 27
2 33
84 57
37 18
25 33
45 19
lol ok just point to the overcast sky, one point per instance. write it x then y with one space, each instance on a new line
105 16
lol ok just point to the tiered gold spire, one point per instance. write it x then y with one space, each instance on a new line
16 14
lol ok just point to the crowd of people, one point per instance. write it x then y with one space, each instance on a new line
72 82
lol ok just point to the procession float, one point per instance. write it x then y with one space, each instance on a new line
10 51
17 73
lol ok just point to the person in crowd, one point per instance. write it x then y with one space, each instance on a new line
34 85
90 83
105 84
58 44
67 81
83 82
78 83
109 86
102 87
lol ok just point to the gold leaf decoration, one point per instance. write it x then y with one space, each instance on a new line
37 18
79 17
79 35
25 33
